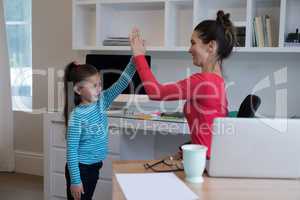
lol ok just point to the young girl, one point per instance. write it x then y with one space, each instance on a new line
87 125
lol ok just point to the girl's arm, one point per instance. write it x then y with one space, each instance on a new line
73 137
193 87
117 88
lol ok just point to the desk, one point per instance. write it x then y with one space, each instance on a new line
220 188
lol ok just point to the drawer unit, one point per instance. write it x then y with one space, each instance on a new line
55 160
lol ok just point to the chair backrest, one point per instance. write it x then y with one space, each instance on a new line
249 106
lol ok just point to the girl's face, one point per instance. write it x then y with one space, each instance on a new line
90 89
201 52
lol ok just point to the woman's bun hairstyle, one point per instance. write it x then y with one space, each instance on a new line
220 30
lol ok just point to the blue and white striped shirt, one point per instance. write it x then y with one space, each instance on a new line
87 132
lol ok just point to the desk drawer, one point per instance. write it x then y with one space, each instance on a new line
58 134
58 187
114 140
59 160
106 171
103 190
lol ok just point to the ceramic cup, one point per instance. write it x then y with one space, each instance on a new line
194 158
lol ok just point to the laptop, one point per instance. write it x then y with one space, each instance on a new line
255 147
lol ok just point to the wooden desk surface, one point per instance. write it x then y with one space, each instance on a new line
220 188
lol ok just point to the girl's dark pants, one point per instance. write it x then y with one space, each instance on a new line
89 175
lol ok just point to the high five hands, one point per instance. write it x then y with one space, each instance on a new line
137 43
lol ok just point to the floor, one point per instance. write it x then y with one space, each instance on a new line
20 187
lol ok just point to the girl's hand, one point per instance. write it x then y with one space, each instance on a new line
76 191
137 43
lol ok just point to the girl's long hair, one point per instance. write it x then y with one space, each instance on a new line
74 73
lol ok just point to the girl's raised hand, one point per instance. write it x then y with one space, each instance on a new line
137 43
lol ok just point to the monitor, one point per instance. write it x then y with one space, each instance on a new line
111 67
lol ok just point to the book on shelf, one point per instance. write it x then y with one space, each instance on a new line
263 35
259 32
269 30
254 37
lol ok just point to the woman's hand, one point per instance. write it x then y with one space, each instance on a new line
137 43
76 191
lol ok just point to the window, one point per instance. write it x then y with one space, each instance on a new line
19 38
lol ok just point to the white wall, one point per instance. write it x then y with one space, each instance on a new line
6 114
51 46
243 72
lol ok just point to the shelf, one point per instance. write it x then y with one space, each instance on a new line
239 23
84 30
273 10
147 16
185 49
267 50
166 25
208 9
86 2
292 16
127 48
179 20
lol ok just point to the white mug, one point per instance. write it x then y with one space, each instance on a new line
194 158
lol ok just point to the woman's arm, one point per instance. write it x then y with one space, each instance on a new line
184 89
195 86
117 88
191 87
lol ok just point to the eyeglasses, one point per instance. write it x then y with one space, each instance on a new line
169 164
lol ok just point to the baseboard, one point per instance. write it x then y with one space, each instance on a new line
29 162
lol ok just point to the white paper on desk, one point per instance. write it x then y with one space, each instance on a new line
154 186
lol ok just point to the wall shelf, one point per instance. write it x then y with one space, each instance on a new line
185 49
167 25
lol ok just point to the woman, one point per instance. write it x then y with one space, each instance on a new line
212 41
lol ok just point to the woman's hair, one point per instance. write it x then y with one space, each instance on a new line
75 73
221 30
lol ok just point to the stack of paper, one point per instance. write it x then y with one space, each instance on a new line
158 186
116 41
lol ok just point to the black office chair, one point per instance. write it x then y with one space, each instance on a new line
249 106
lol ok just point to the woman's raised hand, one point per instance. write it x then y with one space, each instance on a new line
137 43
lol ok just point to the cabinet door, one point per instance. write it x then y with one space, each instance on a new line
103 190
106 171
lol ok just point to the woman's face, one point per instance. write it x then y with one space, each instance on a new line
199 50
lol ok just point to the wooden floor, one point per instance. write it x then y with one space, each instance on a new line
20 187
